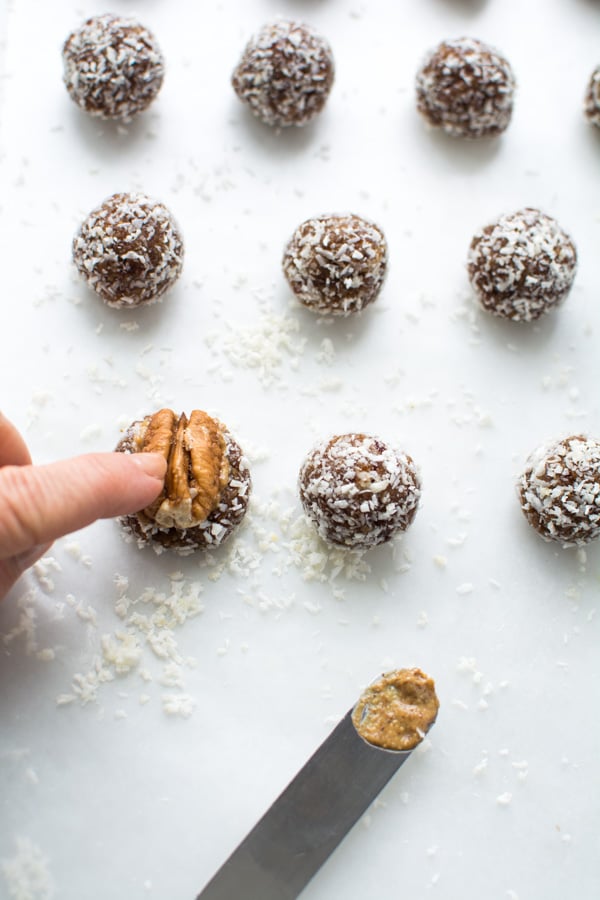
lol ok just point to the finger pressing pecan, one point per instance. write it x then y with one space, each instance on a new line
207 485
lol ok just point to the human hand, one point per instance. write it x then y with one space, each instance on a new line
41 503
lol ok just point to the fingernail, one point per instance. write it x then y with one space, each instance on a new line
152 464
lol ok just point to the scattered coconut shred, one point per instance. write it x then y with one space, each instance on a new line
273 537
265 347
27 874
149 624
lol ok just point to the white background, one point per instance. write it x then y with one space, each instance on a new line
117 799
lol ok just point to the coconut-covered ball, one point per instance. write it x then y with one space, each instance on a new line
285 74
129 250
207 485
466 88
358 491
113 67
592 98
560 490
336 265
522 266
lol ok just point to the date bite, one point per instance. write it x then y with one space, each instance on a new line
559 490
522 266
207 485
112 67
466 88
129 250
358 491
336 264
285 74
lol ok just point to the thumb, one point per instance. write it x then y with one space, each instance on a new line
41 503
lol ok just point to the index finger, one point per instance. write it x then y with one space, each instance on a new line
41 503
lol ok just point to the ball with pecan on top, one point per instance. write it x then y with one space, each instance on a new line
207 485
359 491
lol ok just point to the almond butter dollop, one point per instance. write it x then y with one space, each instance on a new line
396 711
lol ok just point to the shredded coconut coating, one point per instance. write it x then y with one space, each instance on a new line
522 266
129 250
113 67
466 88
225 517
359 491
592 98
560 490
336 265
285 74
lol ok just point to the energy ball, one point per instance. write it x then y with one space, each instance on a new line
592 98
466 88
285 74
113 67
559 490
358 491
522 266
129 250
336 265
207 485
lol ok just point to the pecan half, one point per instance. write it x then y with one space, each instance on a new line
197 466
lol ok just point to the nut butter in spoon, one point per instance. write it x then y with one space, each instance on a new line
397 710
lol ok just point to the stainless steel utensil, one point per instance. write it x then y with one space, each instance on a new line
308 820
